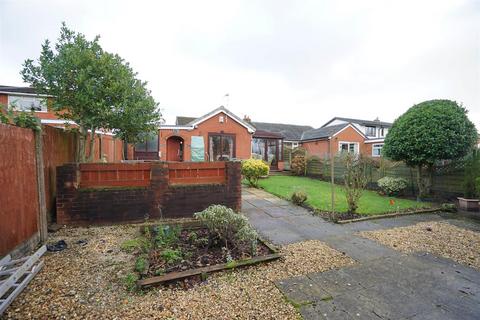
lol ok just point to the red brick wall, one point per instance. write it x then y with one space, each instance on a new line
243 139
322 148
18 187
160 199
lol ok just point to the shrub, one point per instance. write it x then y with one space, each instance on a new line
229 227
137 244
354 179
471 183
171 256
165 235
253 169
141 264
299 197
298 165
392 186
130 281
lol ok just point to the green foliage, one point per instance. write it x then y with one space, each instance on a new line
166 236
354 178
21 119
428 132
130 281
471 186
253 169
299 197
171 256
141 264
449 207
298 166
392 186
230 227
92 87
136 245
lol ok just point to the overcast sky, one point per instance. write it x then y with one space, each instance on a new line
300 62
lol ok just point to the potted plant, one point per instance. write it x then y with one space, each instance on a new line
471 183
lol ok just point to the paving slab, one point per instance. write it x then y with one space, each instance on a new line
384 283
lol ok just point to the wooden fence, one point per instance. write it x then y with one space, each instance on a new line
196 172
447 179
19 205
114 175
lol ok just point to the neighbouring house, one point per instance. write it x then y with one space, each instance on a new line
273 142
25 99
346 134
218 135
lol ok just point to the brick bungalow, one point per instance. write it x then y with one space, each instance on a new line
218 135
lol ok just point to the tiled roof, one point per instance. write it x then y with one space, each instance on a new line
361 122
14 89
323 132
288 131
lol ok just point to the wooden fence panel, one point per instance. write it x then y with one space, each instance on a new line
18 187
115 175
196 172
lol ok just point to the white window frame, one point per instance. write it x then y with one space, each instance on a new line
356 146
376 146
13 98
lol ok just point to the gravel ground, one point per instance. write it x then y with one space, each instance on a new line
86 282
440 238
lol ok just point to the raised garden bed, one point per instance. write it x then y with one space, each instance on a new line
166 253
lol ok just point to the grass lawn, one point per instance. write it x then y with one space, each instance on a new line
319 196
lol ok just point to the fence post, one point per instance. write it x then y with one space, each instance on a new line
42 205
332 179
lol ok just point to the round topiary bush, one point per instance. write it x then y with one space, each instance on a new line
299 197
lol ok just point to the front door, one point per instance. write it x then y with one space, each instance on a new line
174 149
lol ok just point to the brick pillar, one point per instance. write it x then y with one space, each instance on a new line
66 190
159 187
234 184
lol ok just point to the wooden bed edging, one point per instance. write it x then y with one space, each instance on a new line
389 215
217 267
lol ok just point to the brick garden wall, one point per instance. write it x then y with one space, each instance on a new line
120 200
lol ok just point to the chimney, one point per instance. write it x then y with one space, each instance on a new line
247 119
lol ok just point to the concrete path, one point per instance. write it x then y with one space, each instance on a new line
385 284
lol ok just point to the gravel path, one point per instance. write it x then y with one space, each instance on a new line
440 238
85 281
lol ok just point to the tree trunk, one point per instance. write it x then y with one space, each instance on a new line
125 150
92 145
420 183
81 155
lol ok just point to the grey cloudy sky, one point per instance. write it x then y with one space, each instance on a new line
280 61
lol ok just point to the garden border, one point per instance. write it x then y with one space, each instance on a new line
389 215
192 225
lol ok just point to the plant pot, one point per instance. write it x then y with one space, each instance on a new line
468 204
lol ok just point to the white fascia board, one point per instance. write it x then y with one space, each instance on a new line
349 126
26 94
232 116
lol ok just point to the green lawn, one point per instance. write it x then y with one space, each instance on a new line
319 196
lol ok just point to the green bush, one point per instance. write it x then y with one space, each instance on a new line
299 197
253 169
130 281
165 235
141 264
171 256
229 227
392 186
471 182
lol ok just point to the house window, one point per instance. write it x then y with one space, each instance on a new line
377 150
149 145
351 147
371 131
221 147
25 103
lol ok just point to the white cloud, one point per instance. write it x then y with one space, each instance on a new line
280 61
